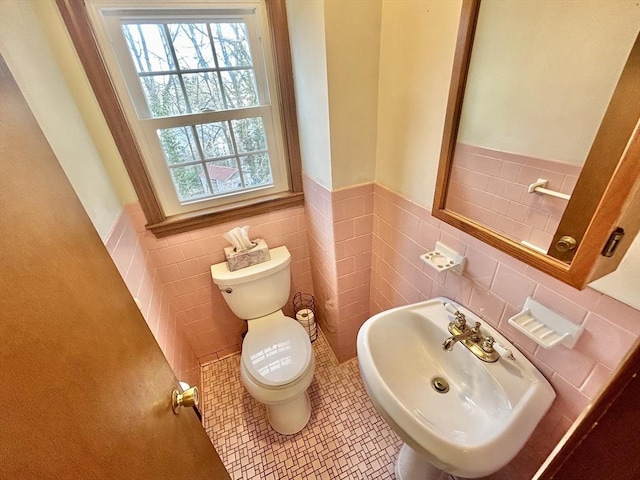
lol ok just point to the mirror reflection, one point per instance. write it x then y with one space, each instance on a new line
540 79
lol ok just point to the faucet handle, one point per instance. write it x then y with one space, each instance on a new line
504 352
487 344
460 320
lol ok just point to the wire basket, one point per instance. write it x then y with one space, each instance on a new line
304 307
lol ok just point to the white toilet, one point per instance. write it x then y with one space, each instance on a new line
277 362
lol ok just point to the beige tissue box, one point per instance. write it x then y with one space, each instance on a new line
246 258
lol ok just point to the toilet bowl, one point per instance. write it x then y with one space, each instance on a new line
277 362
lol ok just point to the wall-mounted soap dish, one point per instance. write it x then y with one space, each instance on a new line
443 258
544 326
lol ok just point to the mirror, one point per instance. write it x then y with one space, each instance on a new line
543 106
541 76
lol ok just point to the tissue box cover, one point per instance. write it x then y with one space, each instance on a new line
258 254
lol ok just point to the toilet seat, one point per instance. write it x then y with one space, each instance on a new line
276 351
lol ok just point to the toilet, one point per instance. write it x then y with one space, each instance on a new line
277 361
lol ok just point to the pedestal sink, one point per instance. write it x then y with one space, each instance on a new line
456 413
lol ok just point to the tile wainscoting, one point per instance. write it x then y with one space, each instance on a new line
170 277
494 285
339 228
357 250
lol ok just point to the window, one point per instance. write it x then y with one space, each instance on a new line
205 105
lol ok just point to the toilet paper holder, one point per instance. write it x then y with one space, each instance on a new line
304 307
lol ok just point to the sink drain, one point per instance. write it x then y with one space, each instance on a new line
440 385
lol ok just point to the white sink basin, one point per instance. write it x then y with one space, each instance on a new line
485 417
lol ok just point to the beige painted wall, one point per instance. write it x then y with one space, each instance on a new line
416 41
353 52
416 56
27 51
308 53
335 50
543 72
65 54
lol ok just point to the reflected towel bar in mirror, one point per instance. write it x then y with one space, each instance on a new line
540 185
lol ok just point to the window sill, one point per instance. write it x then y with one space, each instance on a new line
228 213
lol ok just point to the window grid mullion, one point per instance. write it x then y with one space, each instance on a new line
177 66
206 117
202 162
216 159
195 70
217 69
237 157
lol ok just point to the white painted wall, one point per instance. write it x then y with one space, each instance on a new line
27 52
542 73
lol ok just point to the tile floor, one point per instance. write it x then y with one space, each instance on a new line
345 439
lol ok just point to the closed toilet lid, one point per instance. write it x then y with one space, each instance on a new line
276 350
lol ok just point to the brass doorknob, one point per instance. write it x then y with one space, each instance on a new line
566 243
188 398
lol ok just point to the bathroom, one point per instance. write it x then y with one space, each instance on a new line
371 122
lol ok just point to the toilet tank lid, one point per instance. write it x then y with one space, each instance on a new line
280 258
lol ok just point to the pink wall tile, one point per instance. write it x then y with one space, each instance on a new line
619 314
521 231
541 239
172 254
486 304
171 276
496 186
510 171
569 399
559 304
572 365
495 286
598 377
529 174
479 267
511 286
604 341
513 191
354 276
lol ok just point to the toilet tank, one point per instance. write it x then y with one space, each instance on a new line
257 290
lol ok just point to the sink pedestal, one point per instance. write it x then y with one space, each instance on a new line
410 465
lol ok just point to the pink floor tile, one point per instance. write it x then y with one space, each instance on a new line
336 444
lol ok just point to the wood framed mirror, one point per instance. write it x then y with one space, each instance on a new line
538 96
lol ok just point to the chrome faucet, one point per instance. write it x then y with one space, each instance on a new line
471 334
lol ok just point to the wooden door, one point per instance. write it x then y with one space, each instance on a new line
86 389
604 443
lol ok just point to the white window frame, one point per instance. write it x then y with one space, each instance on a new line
106 16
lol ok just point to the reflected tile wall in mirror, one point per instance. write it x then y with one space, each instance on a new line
491 187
